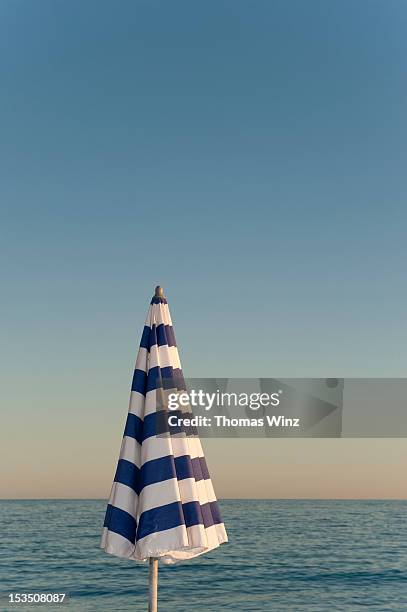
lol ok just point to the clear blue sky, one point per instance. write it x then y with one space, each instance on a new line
248 156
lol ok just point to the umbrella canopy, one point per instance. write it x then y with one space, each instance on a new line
162 503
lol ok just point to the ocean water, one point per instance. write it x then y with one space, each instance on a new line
282 555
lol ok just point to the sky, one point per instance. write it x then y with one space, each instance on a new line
248 157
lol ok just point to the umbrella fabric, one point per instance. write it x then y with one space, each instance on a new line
162 502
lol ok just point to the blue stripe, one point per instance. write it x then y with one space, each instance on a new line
139 381
154 424
193 514
207 514
145 338
161 334
176 514
179 427
160 519
168 467
173 378
158 470
165 378
128 474
158 378
134 427
190 468
154 379
215 511
204 468
158 300
165 335
183 467
121 522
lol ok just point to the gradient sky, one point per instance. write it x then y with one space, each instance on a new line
249 157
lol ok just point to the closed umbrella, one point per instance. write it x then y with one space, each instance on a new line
162 504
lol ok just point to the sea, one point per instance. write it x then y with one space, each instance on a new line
295 555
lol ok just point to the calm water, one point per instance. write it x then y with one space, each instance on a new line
282 555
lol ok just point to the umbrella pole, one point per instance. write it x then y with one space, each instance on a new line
153 585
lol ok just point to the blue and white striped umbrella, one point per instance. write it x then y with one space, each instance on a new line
162 503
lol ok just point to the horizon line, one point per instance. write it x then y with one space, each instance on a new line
105 499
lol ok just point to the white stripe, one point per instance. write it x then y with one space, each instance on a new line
171 545
131 451
155 448
141 405
163 356
171 491
142 359
221 533
158 314
210 492
159 494
187 446
200 540
197 536
157 398
192 490
215 536
161 542
150 403
198 447
137 404
115 544
124 498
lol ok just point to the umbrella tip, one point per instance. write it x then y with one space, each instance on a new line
159 292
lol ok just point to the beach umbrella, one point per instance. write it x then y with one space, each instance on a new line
162 504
